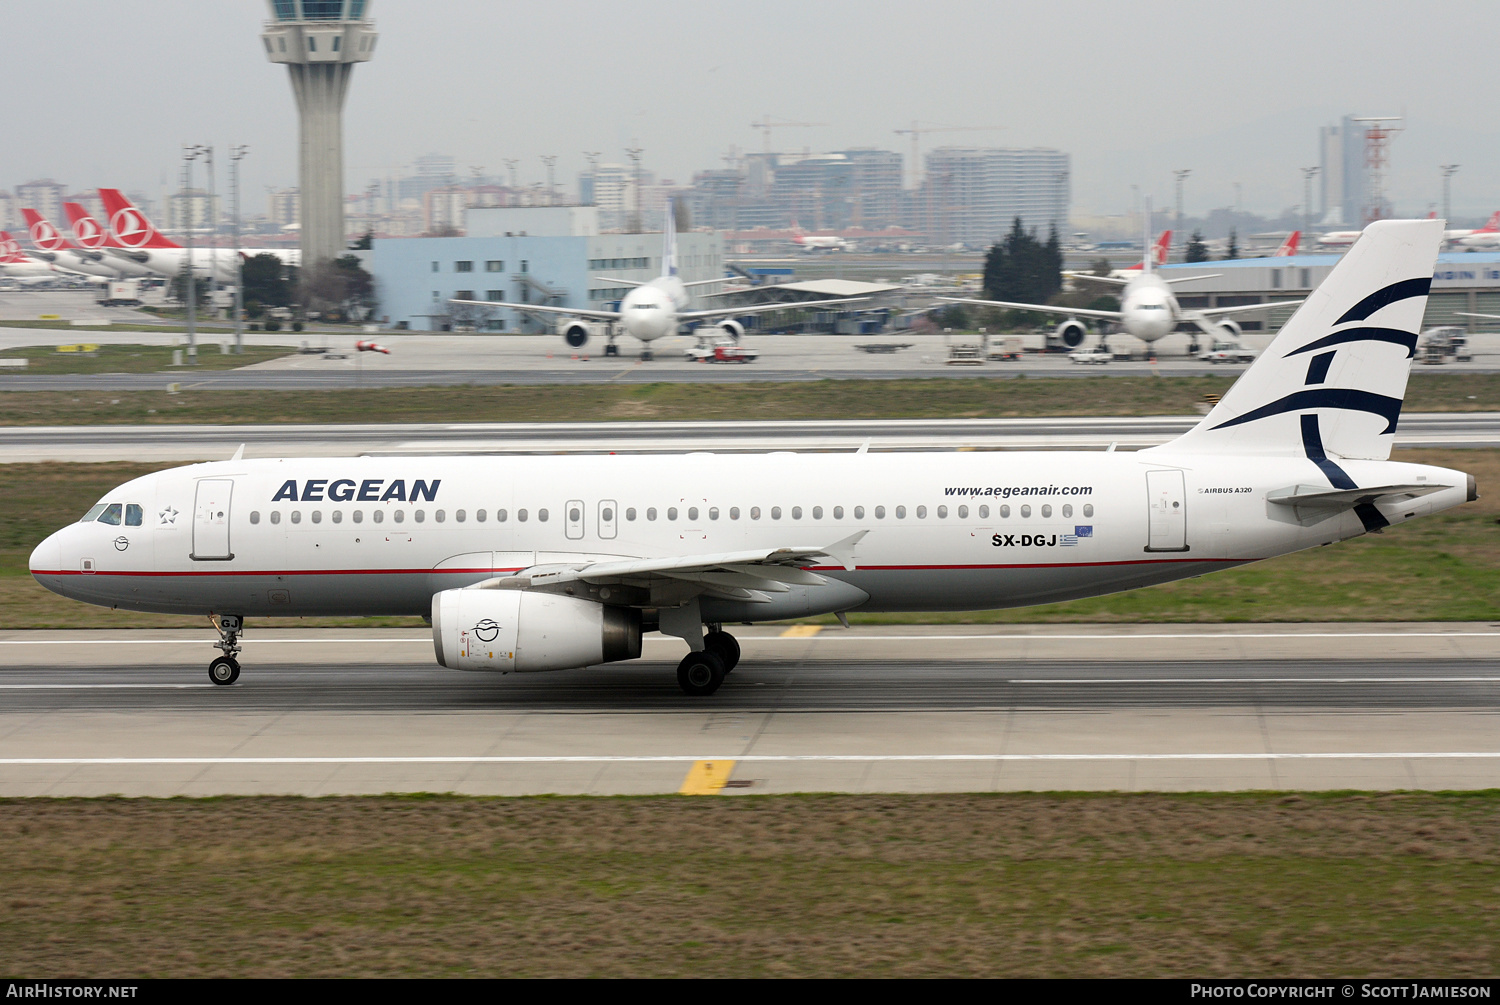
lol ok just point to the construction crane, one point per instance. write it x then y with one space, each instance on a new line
767 124
916 131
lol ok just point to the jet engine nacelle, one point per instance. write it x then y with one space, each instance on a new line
576 334
1228 331
1070 334
731 329
516 630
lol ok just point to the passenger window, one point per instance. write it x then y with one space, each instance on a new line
942 512
111 514
1067 510
734 512
984 512
317 516
1025 511
500 516
255 516
630 514
398 516
607 514
378 516
296 516
880 512
338 516
479 515
775 512
1088 509
921 512
859 512
132 514
963 512
1004 512
541 515
1047 510
418 515
900 512
838 512
713 512
276 516
817 512
650 512
693 513
93 513
359 516
796 512
437 515
458 515
521 515
755 512
575 514
671 512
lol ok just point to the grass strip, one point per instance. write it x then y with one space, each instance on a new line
1439 568
137 359
927 398
1029 885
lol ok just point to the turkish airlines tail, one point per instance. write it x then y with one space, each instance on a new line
129 225
86 230
10 250
1159 252
1331 383
43 234
1492 225
1288 247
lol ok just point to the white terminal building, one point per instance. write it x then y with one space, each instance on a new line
552 255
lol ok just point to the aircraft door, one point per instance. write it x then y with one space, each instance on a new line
608 517
211 520
1168 511
573 516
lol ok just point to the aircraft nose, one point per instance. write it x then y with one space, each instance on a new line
46 562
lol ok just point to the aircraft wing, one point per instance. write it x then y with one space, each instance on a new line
1046 308
1316 495
576 312
1188 279
1213 312
618 282
731 574
724 312
1111 280
1466 314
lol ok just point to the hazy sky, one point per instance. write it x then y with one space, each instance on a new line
105 93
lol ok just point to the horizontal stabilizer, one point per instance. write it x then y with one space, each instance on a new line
1318 495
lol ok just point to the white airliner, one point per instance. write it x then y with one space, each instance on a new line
817 242
133 238
1148 308
655 308
53 248
553 562
16 268
1487 236
94 239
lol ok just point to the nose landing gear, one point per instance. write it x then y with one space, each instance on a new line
226 669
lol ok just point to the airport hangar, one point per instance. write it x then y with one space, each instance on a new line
1462 281
552 255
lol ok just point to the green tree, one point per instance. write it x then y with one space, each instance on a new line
268 282
1197 251
1101 267
363 243
339 287
1233 251
1022 268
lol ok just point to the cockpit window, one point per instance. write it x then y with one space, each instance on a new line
93 513
132 514
111 514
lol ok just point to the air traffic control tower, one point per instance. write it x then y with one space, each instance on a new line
320 41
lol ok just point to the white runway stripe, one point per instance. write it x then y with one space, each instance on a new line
1254 680
85 687
755 758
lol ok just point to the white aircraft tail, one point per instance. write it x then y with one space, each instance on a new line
1331 383
669 240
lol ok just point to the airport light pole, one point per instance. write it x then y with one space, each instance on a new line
1448 172
1308 173
235 154
510 167
1180 176
592 156
190 281
551 161
213 230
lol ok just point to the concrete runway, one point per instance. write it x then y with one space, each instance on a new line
900 708
208 442
447 359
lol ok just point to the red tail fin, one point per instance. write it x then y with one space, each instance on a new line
129 225
43 234
1492 225
1289 247
1161 247
86 230
10 249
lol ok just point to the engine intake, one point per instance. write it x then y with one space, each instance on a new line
731 329
515 630
1070 334
1228 330
576 334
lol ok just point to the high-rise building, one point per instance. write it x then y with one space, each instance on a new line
320 41
10 216
972 195
286 207
193 208
45 196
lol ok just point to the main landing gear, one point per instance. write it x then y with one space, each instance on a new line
226 669
700 673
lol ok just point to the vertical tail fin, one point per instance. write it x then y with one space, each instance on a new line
43 234
129 225
1331 382
1163 246
1288 247
669 240
86 230
10 249
1491 225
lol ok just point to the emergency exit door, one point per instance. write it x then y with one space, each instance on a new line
211 520
1168 511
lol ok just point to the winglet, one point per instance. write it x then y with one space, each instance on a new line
239 454
864 448
842 552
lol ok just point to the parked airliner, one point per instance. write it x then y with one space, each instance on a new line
57 250
817 242
536 563
94 239
655 308
17 268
